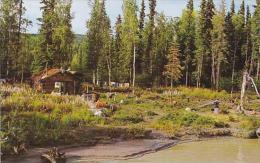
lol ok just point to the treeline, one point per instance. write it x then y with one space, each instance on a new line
208 47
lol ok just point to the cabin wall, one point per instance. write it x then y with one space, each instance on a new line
70 88
72 85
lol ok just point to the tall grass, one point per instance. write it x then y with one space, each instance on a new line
203 93
181 119
40 119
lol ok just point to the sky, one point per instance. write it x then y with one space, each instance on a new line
81 11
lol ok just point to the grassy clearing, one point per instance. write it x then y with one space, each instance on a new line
177 121
204 93
38 119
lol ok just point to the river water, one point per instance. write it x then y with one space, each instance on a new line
224 150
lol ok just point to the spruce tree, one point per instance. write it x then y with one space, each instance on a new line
242 37
230 38
248 48
11 23
47 52
164 33
98 39
200 42
129 38
140 47
118 59
149 46
208 58
256 39
232 9
186 37
218 44
173 67
62 34
204 43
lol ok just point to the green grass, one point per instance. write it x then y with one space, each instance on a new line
249 123
125 116
180 119
41 119
203 93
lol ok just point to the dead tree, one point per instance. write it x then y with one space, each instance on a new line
246 79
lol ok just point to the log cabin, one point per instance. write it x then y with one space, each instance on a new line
57 81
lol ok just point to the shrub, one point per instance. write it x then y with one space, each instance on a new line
189 119
128 115
79 117
250 123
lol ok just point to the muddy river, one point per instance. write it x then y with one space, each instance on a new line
225 150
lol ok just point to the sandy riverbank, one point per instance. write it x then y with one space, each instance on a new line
118 150
121 149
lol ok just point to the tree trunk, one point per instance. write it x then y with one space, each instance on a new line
171 90
232 80
199 76
218 76
251 65
187 74
243 89
22 74
109 75
199 73
258 69
134 71
233 70
213 76
94 78
109 67
97 82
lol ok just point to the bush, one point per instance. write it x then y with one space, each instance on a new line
250 123
128 116
79 117
188 119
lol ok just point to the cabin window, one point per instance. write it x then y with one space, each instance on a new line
60 87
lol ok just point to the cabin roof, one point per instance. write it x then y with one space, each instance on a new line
43 75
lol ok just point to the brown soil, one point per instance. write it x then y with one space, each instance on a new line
119 150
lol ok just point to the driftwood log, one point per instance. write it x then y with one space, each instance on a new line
215 106
53 156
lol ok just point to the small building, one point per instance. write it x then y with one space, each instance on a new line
57 81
